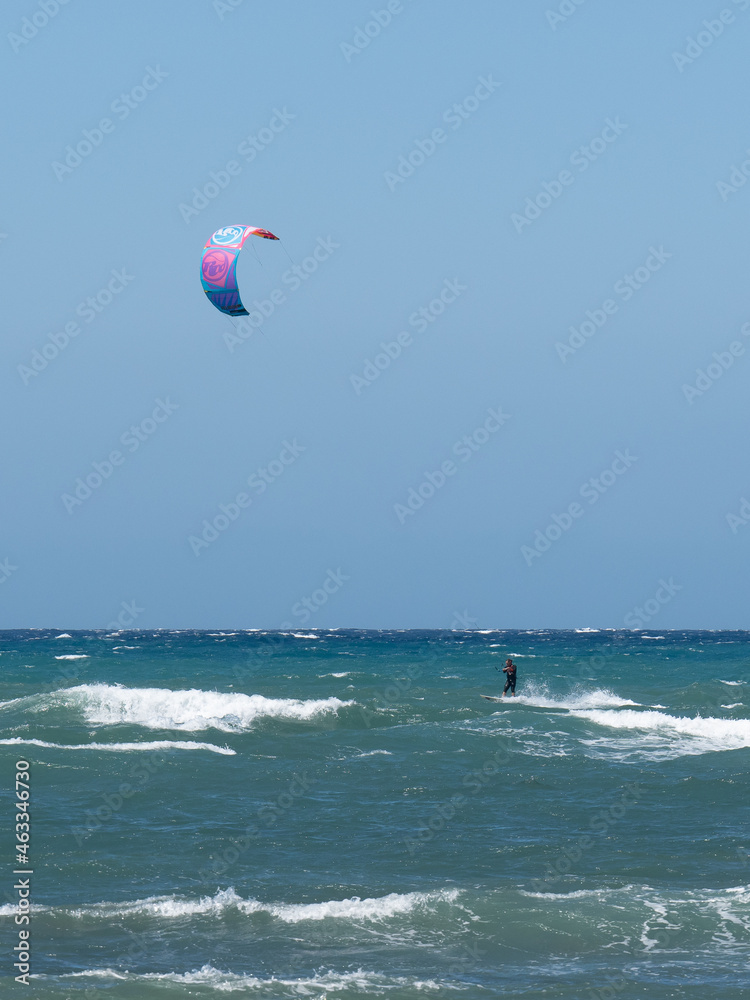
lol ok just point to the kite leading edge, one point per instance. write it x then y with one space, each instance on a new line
219 266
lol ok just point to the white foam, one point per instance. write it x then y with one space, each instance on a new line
230 982
346 673
682 735
93 973
192 710
64 635
122 747
356 909
15 701
733 683
73 656
586 630
576 700
352 910
306 635
575 894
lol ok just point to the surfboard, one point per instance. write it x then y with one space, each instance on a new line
491 697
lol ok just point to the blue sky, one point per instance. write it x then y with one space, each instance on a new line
560 164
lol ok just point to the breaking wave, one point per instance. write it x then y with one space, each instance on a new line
193 710
352 910
671 735
121 747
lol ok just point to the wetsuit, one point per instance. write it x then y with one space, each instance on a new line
511 681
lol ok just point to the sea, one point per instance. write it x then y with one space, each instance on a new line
337 814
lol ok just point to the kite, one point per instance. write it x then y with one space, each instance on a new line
219 266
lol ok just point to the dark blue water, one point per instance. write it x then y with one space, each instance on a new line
340 814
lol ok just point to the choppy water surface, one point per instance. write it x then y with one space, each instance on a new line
340 814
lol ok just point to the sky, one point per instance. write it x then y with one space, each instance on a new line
495 371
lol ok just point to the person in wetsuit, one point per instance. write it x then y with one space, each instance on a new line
510 672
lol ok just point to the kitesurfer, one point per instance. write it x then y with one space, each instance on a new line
510 673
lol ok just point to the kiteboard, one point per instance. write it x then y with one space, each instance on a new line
491 697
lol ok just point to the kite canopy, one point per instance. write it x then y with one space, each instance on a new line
219 266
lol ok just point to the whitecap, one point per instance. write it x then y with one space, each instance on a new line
64 635
163 708
575 894
122 747
73 656
230 982
539 697
668 735
351 910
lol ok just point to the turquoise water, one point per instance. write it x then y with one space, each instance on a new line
339 814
